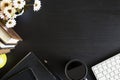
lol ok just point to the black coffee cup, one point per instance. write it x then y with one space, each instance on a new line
76 70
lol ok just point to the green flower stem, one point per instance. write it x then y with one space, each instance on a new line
28 0
28 5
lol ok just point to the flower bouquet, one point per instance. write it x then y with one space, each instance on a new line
11 9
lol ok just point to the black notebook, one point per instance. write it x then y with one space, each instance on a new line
30 61
25 74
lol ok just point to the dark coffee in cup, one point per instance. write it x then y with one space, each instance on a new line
76 70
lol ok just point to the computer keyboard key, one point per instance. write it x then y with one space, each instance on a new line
109 65
99 75
113 68
100 69
116 77
103 78
107 76
105 72
96 72
112 74
108 70
117 66
116 72
118 61
104 67
113 63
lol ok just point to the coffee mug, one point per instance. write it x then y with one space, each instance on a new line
76 70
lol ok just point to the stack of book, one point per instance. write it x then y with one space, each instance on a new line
8 39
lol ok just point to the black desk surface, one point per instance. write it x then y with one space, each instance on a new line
66 29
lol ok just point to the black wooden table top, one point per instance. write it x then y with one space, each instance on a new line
62 30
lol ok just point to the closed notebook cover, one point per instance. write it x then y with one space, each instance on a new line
25 74
30 60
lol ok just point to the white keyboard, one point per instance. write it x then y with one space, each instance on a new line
108 69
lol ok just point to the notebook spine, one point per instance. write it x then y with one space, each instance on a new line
6 46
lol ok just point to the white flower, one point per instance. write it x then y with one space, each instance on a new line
9 11
10 23
37 5
19 3
5 3
2 16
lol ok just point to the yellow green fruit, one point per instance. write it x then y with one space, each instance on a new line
3 60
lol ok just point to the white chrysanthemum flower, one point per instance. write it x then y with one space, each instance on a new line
19 3
10 23
2 16
9 11
37 5
5 3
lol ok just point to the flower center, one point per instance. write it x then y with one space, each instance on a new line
10 22
36 4
9 10
19 2
6 4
